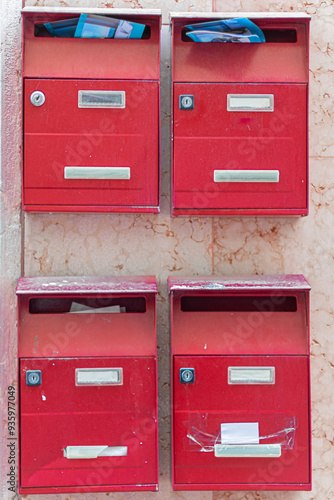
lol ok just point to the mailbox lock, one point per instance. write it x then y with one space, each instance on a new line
37 98
34 377
187 375
186 102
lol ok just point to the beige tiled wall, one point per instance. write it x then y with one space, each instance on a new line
97 244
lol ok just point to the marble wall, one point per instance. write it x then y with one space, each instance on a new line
97 244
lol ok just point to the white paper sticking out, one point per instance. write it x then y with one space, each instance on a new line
81 308
240 433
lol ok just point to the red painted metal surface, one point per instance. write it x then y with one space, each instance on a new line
200 408
237 62
209 137
222 322
84 58
58 413
260 282
59 133
84 285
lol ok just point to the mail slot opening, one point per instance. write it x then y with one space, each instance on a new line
271 35
200 303
87 305
280 35
41 31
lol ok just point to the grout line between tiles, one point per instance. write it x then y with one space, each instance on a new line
213 247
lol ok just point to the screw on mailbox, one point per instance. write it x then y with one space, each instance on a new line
187 375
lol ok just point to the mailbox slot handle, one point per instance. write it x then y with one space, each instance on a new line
250 102
86 452
99 173
101 99
247 450
246 175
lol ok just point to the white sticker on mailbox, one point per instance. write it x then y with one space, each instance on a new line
240 433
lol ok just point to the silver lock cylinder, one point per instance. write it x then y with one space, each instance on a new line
186 102
187 375
37 98
33 377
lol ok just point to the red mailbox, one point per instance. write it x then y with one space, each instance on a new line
89 143
240 119
240 377
87 384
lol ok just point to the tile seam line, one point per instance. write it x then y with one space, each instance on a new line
213 247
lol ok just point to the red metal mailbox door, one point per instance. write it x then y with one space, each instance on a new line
92 142
74 410
268 392
240 147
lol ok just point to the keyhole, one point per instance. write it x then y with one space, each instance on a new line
37 98
187 102
33 377
187 375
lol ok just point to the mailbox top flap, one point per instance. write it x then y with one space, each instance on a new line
283 58
87 316
49 56
245 315
86 285
231 15
89 10
219 284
